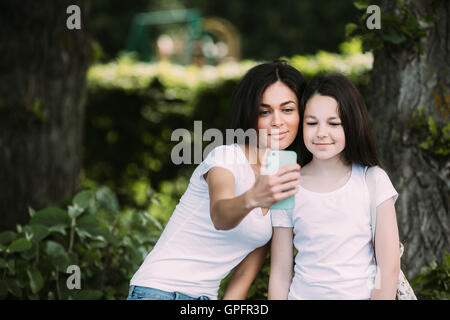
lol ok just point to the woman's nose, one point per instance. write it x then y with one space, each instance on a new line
276 119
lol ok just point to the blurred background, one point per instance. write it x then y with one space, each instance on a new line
86 118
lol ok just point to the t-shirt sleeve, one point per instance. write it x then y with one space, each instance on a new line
384 187
281 218
225 156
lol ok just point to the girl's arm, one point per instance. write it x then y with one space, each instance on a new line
387 252
227 211
244 274
281 263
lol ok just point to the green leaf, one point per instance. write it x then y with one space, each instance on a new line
432 127
394 38
6 237
360 4
37 231
107 199
31 212
53 248
51 216
58 255
75 211
3 289
14 287
19 245
83 198
350 28
11 267
58 228
36 279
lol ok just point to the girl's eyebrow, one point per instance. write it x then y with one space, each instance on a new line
330 118
281 105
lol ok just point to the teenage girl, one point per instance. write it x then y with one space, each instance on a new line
222 221
330 225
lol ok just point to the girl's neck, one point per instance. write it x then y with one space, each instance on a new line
329 166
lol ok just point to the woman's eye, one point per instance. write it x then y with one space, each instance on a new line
263 113
311 123
335 124
288 110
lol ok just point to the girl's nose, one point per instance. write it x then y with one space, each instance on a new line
321 132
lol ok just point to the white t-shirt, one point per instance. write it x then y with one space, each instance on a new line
332 234
191 256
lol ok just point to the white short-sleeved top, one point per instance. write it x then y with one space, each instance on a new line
191 256
332 234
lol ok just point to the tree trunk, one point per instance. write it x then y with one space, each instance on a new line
42 96
404 80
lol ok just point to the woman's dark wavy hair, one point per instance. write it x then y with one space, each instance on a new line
247 95
360 147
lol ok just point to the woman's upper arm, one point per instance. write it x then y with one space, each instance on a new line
220 184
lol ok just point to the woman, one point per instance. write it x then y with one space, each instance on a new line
222 221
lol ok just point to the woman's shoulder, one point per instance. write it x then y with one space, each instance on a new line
224 155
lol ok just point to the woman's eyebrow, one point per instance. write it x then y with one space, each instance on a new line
281 105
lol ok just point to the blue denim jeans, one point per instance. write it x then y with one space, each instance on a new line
146 293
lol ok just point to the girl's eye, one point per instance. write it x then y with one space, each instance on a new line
288 110
264 112
311 123
335 124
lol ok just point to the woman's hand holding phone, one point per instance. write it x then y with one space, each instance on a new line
271 188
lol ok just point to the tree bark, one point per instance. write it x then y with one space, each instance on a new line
404 80
42 97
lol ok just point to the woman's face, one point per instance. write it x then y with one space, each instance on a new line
278 117
323 133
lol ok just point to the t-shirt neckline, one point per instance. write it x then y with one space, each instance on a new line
334 191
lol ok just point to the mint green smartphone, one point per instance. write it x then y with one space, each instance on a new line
277 159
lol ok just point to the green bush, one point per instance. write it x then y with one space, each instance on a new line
106 243
433 281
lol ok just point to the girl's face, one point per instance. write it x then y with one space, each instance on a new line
323 132
278 115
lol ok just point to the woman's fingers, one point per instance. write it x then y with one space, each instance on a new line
288 177
283 195
288 168
286 186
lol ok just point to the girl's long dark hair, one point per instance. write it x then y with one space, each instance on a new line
247 95
360 147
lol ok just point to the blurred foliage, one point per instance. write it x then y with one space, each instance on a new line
430 135
290 27
399 26
106 242
433 281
